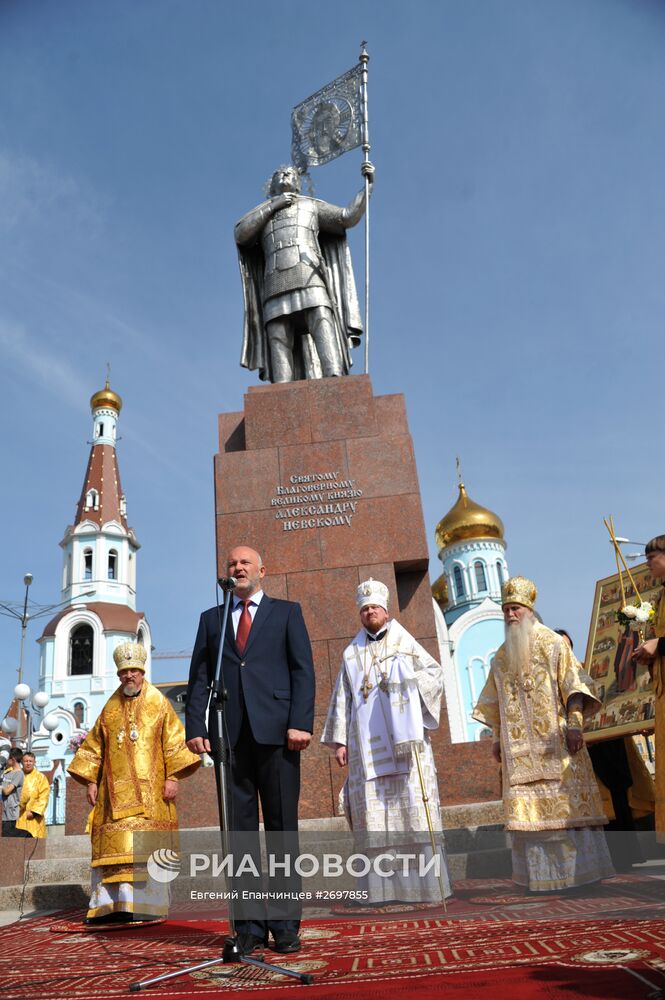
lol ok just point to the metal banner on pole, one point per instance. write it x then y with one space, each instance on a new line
329 123
364 60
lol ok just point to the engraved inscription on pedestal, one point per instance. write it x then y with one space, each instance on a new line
316 500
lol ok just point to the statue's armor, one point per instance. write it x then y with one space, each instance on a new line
293 275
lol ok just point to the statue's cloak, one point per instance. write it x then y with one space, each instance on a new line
341 286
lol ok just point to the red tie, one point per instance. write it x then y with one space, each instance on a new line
244 626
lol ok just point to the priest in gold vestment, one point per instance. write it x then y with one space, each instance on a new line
34 799
535 700
130 762
653 652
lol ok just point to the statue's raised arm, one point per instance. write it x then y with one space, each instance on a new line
301 308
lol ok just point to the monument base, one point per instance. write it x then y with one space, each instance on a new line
320 477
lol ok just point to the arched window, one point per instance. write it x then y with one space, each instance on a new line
92 500
81 644
499 573
459 582
100 430
113 565
481 579
79 713
87 564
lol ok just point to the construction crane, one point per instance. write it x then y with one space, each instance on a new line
180 654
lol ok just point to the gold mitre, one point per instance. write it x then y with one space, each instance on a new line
372 592
519 590
130 656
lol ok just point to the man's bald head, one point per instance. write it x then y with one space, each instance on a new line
246 565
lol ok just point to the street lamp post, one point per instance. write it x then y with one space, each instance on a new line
27 580
28 611
631 555
32 702
25 613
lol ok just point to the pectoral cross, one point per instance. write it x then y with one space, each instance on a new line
366 687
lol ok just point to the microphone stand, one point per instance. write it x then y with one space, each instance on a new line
220 753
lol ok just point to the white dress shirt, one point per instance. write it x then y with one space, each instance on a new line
253 605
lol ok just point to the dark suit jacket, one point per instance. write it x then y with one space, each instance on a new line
273 679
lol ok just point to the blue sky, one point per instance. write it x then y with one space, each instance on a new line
517 264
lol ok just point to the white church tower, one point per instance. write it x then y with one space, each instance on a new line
99 590
467 595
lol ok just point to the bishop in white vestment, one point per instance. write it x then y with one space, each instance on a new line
386 701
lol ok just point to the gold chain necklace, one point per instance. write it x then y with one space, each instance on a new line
378 646
133 728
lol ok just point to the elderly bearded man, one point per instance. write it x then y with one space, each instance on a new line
386 701
535 700
130 763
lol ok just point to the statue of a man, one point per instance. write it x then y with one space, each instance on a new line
301 308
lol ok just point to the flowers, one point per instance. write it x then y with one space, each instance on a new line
76 740
636 614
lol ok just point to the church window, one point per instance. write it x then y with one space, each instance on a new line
92 500
79 713
459 582
499 573
87 564
113 565
100 428
123 505
481 579
81 644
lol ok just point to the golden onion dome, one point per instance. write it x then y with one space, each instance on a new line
106 397
467 520
440 591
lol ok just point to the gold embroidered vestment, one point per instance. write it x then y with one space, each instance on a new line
544 786
34 799
135 745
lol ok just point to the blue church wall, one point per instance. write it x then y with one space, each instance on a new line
473 653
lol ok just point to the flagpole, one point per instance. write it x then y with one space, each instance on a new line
364 59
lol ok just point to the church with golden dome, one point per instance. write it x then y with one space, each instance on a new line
467 605
97 605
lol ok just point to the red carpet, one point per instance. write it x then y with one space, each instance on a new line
357 959
517 950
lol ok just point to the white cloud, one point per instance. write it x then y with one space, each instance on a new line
34 196
42 366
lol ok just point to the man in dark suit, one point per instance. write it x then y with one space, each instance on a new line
268 672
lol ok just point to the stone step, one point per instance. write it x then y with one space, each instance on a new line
60 870
68 847
46 896
63 872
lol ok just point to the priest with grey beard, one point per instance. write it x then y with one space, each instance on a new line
535 700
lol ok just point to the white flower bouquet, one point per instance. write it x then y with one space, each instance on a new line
637 614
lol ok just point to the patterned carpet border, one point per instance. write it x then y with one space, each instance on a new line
353 959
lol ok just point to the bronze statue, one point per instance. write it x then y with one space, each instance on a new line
301 308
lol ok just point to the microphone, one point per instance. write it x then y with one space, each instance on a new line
227 582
